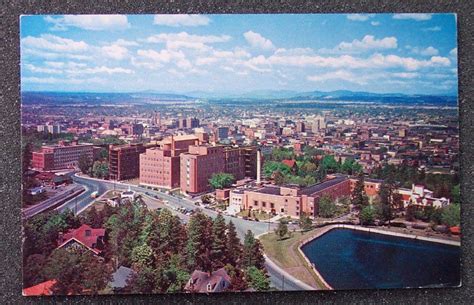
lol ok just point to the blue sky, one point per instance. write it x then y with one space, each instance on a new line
407 53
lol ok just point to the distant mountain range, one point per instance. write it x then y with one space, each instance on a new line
151 96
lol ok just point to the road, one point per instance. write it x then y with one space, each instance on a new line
81 202
278 279
52 202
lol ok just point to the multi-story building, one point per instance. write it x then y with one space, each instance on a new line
319 123
160 166
198 165
192 123
61 156
52 129
293 200
124 161
222 133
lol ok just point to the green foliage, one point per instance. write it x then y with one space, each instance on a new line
85 163
367 215
327 207
76 272
252 252
100 170
257 279
142 256
32 270
221 180
278 178
219 241
350 167
114 140
330 164
280 154
282 230
199 243
233 246
358 197
305 222
273 166
456 193
451 215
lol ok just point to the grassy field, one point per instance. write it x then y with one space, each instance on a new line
286 255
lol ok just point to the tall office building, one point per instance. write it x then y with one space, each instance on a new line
124 161
319 123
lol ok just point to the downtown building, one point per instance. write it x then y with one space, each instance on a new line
160 166
124 161
65 155
202 161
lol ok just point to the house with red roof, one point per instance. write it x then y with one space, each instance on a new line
44 288
289 163
85 237
217 281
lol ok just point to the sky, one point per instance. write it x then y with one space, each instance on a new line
383 53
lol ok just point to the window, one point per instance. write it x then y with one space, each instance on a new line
272 205
88 232
264 204
209 287
255 203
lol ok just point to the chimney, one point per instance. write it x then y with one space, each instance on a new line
258 166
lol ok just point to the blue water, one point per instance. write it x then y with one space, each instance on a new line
350 259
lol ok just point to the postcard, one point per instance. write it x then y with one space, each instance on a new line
239 153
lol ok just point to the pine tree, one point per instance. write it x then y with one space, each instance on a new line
252 252
199 243
233 246
219 241
385 194
358 197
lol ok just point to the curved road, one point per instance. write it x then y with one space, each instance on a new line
279 279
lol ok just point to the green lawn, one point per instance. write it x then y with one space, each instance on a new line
286 255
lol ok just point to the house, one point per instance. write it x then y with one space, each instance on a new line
217 281
419 196
84 236
120 278
290 163
44 288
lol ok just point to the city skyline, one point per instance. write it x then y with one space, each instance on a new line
382 53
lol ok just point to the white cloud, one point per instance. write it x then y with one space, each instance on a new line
454 52
442 61
90 22
115 51
367 43
185 40
100 70
417 17
44 70
181 20
67 81
339 74
359 17
432 29
407 75
125 43
54 43
258 41
376 61
429 51
375 23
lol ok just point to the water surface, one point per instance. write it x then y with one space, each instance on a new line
351 259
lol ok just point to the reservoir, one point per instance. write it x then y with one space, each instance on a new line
351 259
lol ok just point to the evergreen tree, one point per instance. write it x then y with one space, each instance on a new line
76 272
282 229
358 197
257 279
219 242
252 252
385 194
199 243
237 278
233 246
305 222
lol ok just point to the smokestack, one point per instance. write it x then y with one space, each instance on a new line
258 166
